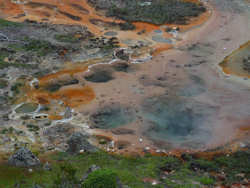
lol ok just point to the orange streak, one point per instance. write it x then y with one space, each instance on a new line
227 69
46 79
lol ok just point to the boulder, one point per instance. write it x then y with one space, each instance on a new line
77 142
23 158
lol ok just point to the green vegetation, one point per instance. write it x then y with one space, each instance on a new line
69 38
66 176
5 63
202 164
10 130
68 170
16 88
207 180
103 178
5 23
158 12
18 65
40 47
32 127
234 165
7 130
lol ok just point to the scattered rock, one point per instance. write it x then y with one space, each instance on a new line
78 142
23 158
122 54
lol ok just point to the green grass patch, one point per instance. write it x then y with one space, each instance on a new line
206 180
130 170
6 23
69 38
103 178
233 165
39 47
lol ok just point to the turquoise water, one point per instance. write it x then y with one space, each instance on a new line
112 116
177 120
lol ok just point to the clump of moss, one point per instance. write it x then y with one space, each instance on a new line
103 178
40 47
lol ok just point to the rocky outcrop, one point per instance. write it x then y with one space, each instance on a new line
78 142
23 158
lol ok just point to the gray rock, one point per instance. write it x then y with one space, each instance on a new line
24 158
78 142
